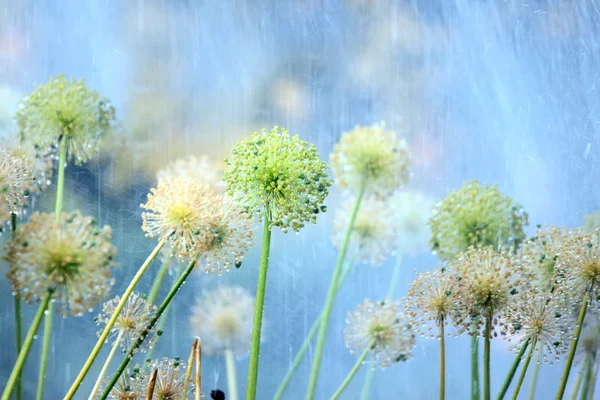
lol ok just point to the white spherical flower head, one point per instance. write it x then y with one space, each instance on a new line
202 169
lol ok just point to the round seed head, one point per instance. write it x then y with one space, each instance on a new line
202 169
16 184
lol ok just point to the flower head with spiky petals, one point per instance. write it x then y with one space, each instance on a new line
40 163
65 107
16 183
202 169
591 222
374 233
279 176
412 209
130 386
170 379
132 319
433 300
488 282
383 324
70 255
223 318
179 209
372 155
478 216
579 267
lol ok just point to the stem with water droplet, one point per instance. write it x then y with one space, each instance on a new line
524 370
106 364
513 370
159 311
354 370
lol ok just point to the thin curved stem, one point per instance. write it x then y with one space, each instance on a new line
18 325
486 359
354 370
163 306
164 268
513 370
534 377
442 361
314 375
524 371
311 333
90 360
258 310
231 375
106 364
12 379
571 356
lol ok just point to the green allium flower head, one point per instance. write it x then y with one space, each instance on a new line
280 176
476 215
65 107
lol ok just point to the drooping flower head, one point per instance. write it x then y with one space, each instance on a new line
179 209
131 322
70 255
488 282
65 107
279 176
202 169
374 233
372 155
383 325
478 216
412 209
223 318
539 318
432 300
170 379
16 183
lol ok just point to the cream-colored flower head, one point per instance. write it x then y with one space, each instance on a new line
65 107
202 169
413 210
382 323
541 319
489 280
170 379
432 300
130 386
375 231
131 322
41 164
280 176
478 216
70 255
579 267
229 235
373 155
223 318
16 184
179 209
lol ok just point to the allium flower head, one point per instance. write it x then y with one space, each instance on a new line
65 107
375 231
130 386
223 318
132 319
432 300
16 183
280 176
591 222
412 209
202 169
228 236
541 319
373 155
580 267
477 216
170 379
71 255
488 282
40 164
179 209
384 323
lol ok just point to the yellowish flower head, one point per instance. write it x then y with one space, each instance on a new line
16 184
372 155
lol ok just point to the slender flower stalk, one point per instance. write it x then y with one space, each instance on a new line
587 380
354 370
486 359
231 375
475 384
164 268
442 361
577 384
101 340
18 326
188 372
113 350
513 369
524 370
198 376
534 377
151 384
149 327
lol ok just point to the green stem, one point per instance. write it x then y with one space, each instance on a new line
12 380
524 371
163 306
513 370
18 325
486 358
258 310
314 376
571 356
60 188
364 394
577 385
593 382
106 364
442 361
164 268
231 376
112 320
475 385
311 333
534 377
188 370
589 369
354 370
